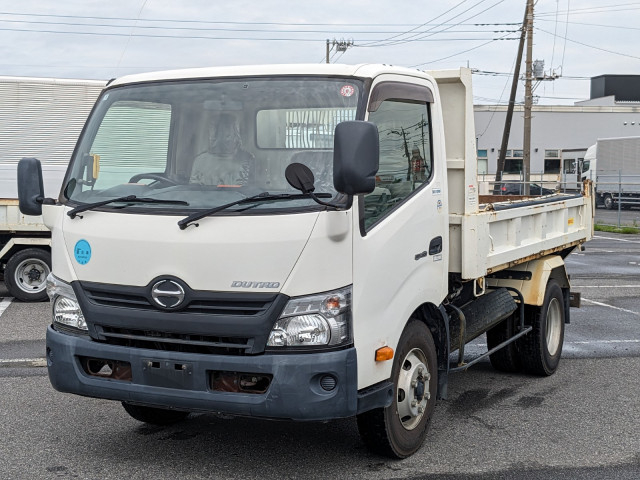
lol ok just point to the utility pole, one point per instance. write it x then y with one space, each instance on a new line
528 100
340 46
512 101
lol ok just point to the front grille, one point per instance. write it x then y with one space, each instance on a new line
208 322
174 342
212 305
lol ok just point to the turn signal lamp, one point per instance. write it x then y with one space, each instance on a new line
383 354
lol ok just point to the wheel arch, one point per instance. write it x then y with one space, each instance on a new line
535 276
15 245
436 319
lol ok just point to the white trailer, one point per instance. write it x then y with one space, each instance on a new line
226 252
614 166
42 118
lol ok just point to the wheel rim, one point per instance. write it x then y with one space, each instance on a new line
413 389
554 326
31 275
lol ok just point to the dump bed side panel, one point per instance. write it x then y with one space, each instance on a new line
12 221
511 234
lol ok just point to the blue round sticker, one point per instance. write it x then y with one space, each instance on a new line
82 252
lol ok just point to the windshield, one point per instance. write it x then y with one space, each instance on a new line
207 143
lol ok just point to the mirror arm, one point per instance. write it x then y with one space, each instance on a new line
326 204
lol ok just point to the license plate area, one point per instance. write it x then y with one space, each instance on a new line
167 374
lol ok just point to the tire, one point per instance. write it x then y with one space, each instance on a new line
26 274
507 359
399 430
154 416
608 202
540 349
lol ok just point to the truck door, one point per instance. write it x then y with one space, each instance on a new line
399 256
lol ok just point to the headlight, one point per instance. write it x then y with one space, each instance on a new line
316 320
66 310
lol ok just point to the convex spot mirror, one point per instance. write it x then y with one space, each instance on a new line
300 177
356 157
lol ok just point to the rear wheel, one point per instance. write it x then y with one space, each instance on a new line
541 348
153 415
608 202
399 430
507 359
26 274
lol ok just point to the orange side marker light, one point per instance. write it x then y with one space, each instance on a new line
383 354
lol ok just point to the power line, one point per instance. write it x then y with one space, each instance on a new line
555 31
566 31
202 37
472 16
412 38
460 53
205 22
513 66
131 33
261 30
505 74
590 10
422 25
592 46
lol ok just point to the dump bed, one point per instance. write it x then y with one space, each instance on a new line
508 233
12 221
486 236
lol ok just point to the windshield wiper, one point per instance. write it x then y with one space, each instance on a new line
185 222
128 199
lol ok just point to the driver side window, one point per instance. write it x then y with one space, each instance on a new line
404 133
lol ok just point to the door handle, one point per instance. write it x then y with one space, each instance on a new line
435 246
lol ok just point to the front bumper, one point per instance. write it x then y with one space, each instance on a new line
294 393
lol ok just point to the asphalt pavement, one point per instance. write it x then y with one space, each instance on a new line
630 217
581 423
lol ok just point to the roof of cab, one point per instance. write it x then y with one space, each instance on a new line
362 70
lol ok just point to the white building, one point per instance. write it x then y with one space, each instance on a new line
559 134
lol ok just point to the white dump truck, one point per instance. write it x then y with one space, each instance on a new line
298 242
39 117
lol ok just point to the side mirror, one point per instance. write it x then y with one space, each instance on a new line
356 157
30 186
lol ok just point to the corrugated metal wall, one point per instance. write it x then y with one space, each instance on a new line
43 118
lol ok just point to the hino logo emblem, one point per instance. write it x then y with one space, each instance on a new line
167 293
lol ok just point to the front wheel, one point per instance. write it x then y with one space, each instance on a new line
26 274
153 415
399 430
541 348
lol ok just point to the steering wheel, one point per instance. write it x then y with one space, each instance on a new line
158 177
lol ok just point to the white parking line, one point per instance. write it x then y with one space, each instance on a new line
27 362
610 306
588 342
596 342
605 286
4 304
617 239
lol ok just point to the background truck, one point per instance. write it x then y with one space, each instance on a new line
298 242
614 166
39 117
